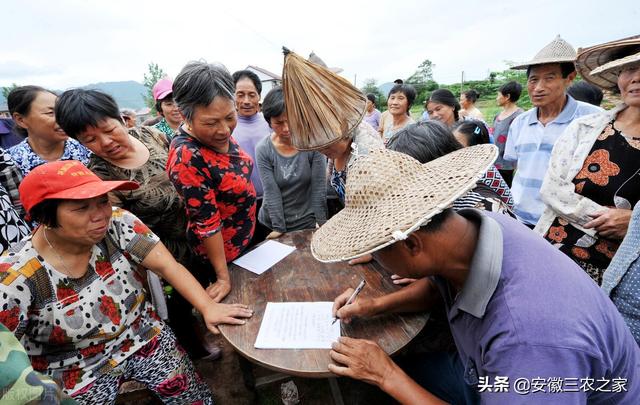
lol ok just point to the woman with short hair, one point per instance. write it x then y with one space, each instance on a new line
399 102
32 109
73 292
211 172
295 191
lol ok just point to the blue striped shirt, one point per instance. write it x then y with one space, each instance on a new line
529 144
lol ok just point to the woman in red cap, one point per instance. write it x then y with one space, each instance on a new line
73 292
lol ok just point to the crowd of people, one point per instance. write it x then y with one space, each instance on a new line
519 233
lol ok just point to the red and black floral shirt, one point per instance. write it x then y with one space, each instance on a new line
217 191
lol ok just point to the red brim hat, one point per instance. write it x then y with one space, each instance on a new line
65 180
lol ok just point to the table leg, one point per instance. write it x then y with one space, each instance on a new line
335 391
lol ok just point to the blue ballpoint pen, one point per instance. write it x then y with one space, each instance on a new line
353 297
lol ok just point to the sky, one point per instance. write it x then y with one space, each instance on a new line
67 43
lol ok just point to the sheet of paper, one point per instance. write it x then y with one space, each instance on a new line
264 256
297 325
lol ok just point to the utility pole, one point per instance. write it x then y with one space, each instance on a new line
462 82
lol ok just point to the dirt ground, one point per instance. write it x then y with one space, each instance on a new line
225 377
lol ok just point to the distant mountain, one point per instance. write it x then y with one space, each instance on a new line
129 94
385 88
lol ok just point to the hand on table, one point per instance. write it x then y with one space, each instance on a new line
218 290
398 280
362 259
359 307
274 235
217 314
610 223
361 359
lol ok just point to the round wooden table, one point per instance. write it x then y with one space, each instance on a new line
299 277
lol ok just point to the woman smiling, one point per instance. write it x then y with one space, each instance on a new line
211 172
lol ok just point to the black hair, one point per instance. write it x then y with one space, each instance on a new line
46 212
436 222
198 83
398 81
241 74
409 92
19 102
512 90
424 141
446 97
586 92
168 97
471 95
474 131
78 109
273 104
372 97
566 68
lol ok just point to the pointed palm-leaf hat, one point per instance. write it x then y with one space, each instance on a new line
557 51
321 106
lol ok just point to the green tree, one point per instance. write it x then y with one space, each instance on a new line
8 89
371 86
422 80
152 76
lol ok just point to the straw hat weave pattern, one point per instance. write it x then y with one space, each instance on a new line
390 194
599 64
557 51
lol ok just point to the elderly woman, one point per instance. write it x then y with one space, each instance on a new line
119 153
211 172
295 190
32 108
73 292
401 97
592 182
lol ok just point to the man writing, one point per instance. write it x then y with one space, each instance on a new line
518 308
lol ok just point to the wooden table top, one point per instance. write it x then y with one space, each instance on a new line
299 277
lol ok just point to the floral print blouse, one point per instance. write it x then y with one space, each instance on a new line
609 177
26 159
217 190
76 330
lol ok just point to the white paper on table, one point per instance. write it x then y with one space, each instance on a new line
297 325
264 256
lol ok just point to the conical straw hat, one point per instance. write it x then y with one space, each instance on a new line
321 106
389 195
557 51
590 59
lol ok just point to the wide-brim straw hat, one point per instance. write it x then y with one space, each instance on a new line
599 64
321 106
390 195
557 51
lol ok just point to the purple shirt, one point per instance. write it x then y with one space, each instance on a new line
528 311
373 119
248 133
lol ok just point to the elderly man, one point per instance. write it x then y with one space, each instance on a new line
129 117
533 133
529 325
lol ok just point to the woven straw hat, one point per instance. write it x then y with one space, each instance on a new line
389 195
557 51
598 64
321 106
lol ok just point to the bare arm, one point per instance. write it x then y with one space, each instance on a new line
160 261
214 245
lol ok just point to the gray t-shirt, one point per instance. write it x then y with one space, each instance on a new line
295 195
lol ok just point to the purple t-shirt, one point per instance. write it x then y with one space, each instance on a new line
248 133
373 119
530 314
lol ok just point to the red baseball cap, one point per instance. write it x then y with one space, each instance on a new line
67 180
162 88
